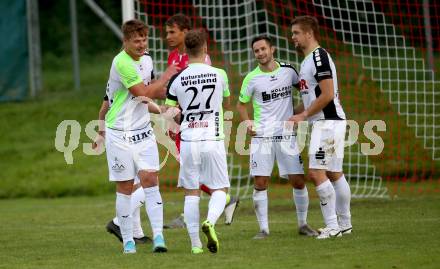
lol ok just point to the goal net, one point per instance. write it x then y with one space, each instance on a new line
380 49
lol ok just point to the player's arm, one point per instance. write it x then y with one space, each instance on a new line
244 115
326 96
157 89
101 125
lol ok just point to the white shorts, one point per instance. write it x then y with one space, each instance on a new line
128 152
203 162
326 149
264 151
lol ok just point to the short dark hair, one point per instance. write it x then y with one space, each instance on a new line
131 27
307 24
182 21
194 41
261 37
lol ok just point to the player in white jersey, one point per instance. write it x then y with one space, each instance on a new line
199 89
269 86
130 142
321 107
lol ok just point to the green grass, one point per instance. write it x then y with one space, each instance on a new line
70 233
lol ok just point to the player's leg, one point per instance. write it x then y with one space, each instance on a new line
214 173
260 200
291 166
153 207
178 222
261 164
189 174
340 184
147 162
318 164
137 200
230 207
122 171
123 212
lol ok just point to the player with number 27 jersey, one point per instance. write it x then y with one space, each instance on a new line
199 90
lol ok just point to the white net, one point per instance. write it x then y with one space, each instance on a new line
233 30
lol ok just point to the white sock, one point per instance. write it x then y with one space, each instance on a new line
260 206
137 200
327 197
343 197
301 200
123 213
216 206
192 219
154 208
116 221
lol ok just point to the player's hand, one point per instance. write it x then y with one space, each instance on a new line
170 71
99 140
172 135
170 113
297 118
251 128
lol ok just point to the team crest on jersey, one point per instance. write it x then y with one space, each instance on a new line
118 166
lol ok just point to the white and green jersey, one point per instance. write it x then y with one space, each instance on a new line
127 112
271 95
199 90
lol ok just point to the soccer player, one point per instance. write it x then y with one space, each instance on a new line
269 86
323 110
199 90
129 138
176 28
137 197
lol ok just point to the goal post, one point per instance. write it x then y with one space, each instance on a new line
380 53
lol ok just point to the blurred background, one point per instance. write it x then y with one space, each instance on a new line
55 57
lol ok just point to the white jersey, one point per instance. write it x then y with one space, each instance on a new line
199 90
126 111
317 66
271 95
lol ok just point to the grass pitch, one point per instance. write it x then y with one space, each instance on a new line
70 233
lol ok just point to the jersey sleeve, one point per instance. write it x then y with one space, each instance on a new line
246 91
127 72
226 91
322 65
171 93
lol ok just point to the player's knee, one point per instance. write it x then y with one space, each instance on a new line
333 176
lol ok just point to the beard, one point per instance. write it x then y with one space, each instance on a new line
300 50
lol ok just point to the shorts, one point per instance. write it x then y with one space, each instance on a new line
128 152
283 148
326 149
203 162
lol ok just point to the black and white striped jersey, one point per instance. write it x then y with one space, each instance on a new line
317 66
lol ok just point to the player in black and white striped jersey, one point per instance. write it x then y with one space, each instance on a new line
322 108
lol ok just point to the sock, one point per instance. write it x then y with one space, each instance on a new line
343 197
260 206
228 198
116 221
154 208
137 200
327 197
123 213
192 219
205 189
301 200
216 206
